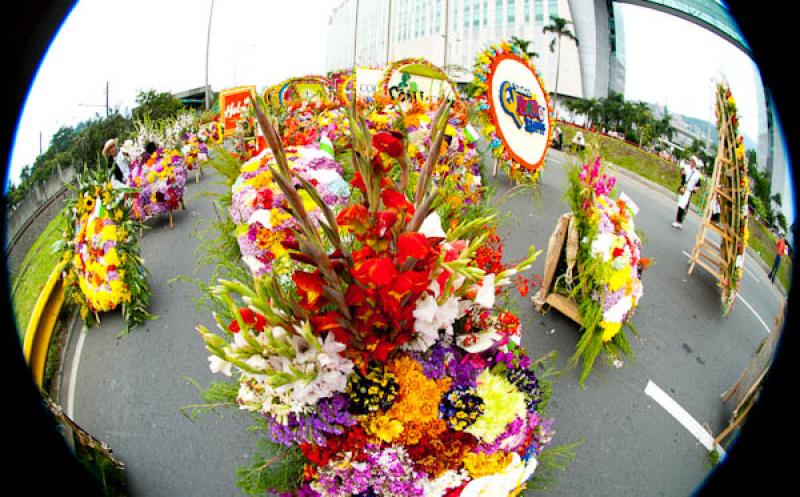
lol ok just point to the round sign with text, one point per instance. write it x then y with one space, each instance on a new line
519 107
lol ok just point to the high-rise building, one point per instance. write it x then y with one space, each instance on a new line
452 32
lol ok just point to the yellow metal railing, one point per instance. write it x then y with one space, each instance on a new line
43 321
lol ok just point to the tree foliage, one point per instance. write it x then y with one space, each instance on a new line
80 145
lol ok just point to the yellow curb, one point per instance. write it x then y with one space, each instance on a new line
42 322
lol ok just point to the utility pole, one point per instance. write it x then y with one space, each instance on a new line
446 30
208 42
388 32
106 98
355 37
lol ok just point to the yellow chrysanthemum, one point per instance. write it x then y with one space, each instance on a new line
619 279
385 428
503 404
481 464
112 257
610 329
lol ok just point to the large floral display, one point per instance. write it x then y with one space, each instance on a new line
160 179
381 354
735 185
608 283
262 226
103 267
513 110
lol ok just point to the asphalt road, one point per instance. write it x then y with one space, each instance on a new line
128 392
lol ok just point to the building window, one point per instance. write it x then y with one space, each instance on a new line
511 10
466 14
476 13
498 12
527 8
552 8
485 11
438 17
539 12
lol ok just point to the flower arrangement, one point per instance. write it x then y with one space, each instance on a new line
195 151
103 267
482 71
258 207
737 185
381 356
159 179
210 132
609 263
383 85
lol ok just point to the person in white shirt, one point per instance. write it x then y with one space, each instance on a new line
691 180
118 163
578 141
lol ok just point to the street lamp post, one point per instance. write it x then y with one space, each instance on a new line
355 37
208 42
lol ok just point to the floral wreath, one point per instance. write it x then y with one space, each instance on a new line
289 83
484 66
383 85
100 249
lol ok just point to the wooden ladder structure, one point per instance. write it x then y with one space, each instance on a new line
726 189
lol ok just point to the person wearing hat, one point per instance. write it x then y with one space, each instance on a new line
117 163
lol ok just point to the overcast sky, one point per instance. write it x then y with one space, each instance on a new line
672 62
162 44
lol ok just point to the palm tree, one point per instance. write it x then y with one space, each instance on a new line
559 28
523 45
664 125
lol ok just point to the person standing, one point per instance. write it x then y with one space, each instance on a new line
690 179
117 163
780 250
578 141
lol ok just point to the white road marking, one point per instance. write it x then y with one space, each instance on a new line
739 296
73 375
683 417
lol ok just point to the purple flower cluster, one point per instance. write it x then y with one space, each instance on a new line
386 472
434 361
331 417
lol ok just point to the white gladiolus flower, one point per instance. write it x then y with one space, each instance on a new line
485 295
219 365
432 226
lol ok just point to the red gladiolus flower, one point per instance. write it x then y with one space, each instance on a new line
234 327
618 252
385 221
355 218
374 272
309 286
414 245
396 201
328 322
388 143
358 182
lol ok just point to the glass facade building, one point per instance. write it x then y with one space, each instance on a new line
450 33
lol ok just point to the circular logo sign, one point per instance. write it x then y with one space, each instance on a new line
519 106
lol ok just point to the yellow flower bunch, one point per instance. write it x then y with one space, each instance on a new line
413 408
481 464
503 404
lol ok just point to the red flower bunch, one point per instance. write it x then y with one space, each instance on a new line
352 441
252 319
489 255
